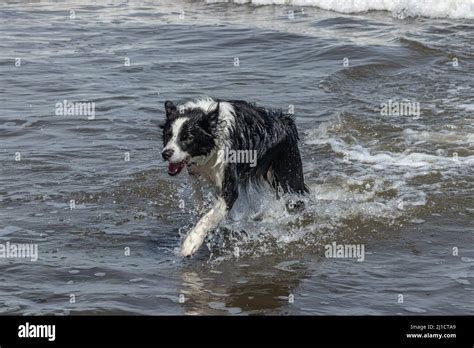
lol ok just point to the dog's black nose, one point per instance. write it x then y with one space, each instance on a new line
167 154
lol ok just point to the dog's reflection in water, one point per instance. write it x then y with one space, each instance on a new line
247 287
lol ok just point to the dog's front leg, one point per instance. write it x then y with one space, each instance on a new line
212 218
207 223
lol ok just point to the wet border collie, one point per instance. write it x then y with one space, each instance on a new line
201 133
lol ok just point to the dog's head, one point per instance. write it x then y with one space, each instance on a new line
188 133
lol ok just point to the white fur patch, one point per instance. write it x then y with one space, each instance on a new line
226 119
178 154
204 103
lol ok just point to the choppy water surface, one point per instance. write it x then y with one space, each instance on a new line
399 185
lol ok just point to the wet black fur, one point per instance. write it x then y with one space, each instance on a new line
274 136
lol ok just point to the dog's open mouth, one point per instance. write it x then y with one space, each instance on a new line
175 168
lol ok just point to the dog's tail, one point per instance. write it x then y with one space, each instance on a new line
293 138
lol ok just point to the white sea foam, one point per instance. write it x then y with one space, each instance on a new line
383 160
444 137
425 8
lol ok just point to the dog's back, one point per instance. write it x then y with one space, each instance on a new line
272 134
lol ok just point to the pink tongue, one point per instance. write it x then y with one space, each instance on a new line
174 167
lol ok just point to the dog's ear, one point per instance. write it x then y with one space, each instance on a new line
171 111
212 117
209 120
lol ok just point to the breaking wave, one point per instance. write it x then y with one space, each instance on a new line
401 8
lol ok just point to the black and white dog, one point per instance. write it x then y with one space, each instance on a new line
262 143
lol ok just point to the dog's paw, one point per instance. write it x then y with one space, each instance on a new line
293 206
190 245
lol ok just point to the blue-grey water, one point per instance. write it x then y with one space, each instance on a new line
400 185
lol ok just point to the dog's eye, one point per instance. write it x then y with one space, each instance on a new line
186 137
